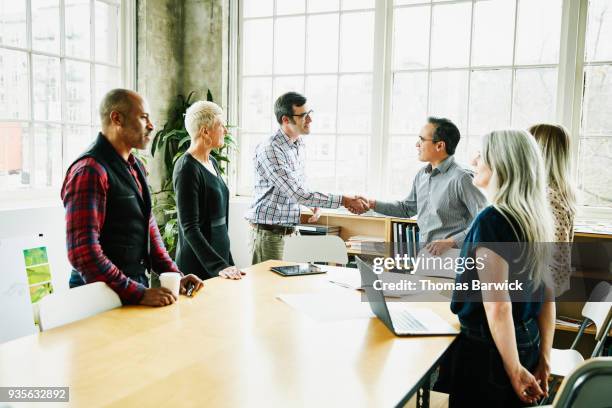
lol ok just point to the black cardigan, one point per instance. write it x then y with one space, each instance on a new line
202 201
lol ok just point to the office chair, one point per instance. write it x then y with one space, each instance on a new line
58 309
587 386
315 248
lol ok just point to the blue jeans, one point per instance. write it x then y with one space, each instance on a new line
474 374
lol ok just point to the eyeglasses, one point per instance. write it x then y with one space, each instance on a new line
422 139
304 115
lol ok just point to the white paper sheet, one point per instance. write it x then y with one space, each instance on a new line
328 306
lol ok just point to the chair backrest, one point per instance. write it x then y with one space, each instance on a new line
75 304
315 248
599 308
587 386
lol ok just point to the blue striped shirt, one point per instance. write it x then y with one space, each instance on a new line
280 183
444 200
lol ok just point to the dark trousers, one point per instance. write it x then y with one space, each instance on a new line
473 372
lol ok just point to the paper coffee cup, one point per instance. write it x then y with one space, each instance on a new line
171 281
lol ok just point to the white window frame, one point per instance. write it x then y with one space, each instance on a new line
569 85
37 196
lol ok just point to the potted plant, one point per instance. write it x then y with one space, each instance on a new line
172 141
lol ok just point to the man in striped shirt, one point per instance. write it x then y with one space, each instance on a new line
280 182
111 233
442 196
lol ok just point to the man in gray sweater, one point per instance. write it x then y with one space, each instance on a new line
442 196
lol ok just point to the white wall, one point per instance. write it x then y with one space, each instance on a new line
47 220
239 231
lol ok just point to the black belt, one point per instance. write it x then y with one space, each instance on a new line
279 229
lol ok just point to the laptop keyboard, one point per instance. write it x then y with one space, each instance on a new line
403 321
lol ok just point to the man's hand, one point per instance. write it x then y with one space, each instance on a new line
231 272
191 278
157 297
355 205
371 202
316 213
440 246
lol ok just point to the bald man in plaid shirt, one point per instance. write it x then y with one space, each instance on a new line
111 233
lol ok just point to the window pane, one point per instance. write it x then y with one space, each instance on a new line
45 25
357 42
286 84
595 171
538 32
599 31
320 147
448 96
248 143
78 28
403 165
257 8
409 102
403 2
257 47
107 78
13 23
490 93
355 104
357 4
597 103
289 45
321 91
450 42
256 104
411 38
290 6
535 95
46 72
493 32
322 40
47 155
76 140
315 6
13 82
78 92
107 33
14 159
352 164
321 175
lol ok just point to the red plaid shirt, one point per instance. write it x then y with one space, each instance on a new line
84 195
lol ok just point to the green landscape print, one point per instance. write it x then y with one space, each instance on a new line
39 272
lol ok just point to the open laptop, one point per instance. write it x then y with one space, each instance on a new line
405 321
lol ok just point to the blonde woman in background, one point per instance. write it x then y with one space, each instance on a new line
554 143
501 357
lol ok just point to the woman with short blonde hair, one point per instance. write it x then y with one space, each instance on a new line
202 198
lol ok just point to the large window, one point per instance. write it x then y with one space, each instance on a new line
595 152
57 59
374 71
325 50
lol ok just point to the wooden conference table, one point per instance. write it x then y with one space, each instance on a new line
233 344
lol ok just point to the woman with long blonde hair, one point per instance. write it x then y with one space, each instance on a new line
501 356
555 145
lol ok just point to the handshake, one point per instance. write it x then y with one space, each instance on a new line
358 204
